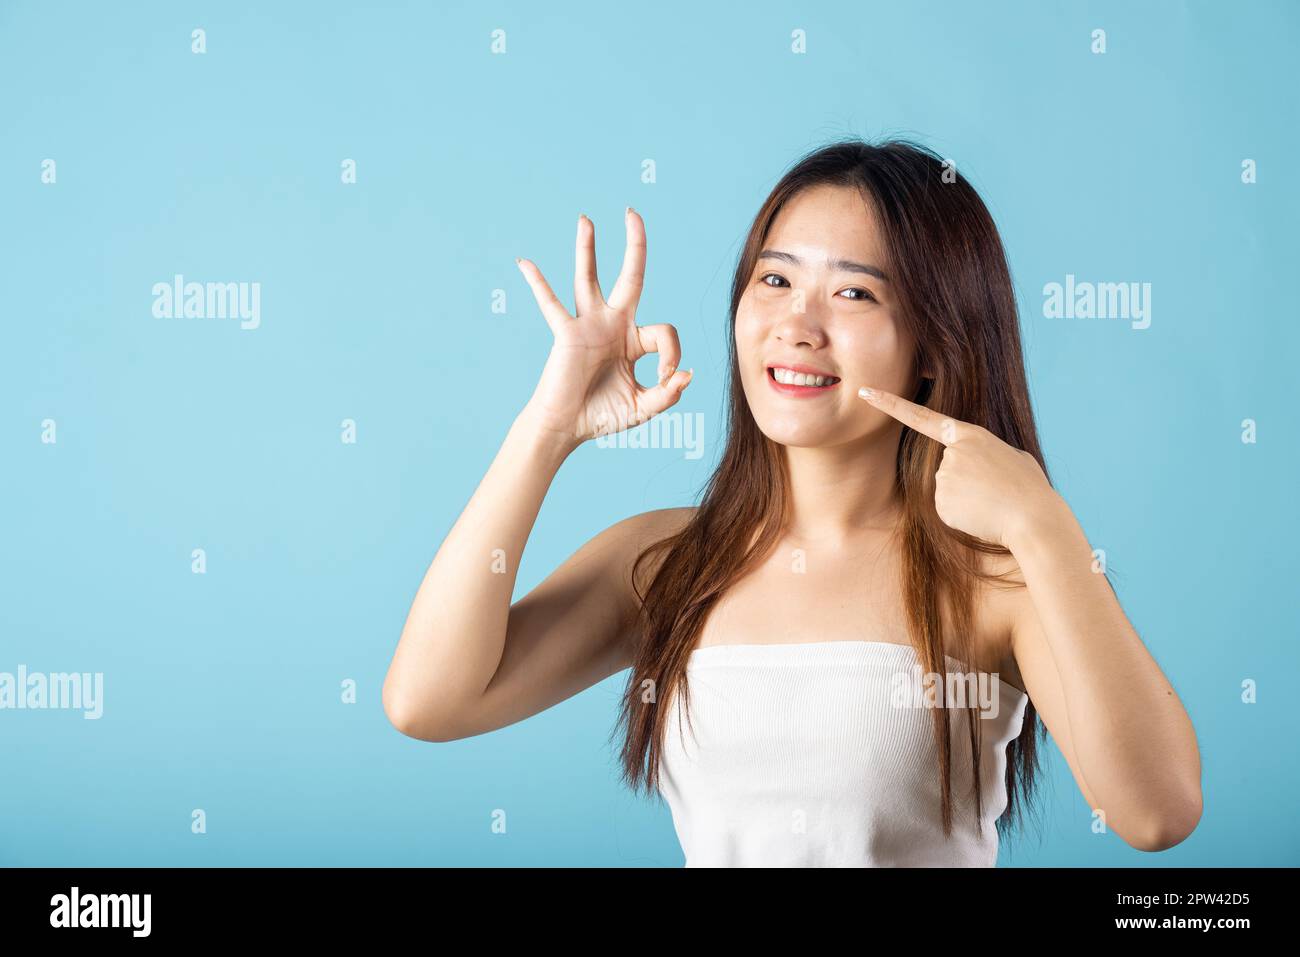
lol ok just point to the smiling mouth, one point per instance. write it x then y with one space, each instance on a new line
789 377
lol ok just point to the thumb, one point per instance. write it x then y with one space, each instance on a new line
663 396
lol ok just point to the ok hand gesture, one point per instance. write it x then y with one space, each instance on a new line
588 386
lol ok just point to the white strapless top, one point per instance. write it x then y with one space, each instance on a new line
823 754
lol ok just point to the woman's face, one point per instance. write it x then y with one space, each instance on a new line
819 302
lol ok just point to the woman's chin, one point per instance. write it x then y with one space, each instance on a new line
800 435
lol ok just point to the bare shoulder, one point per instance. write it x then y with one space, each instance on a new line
615 549
619 544
659 521
618 548
638 532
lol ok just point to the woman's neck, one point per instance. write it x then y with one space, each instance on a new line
840 493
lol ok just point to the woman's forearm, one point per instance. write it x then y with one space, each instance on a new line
454 636
1135 743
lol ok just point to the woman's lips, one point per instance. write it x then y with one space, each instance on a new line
793 389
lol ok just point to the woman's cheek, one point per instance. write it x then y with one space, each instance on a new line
748 335
744 317
882 356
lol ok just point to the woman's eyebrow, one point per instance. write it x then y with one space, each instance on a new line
843 265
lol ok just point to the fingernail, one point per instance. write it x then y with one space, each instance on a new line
518 260
628 211
866 393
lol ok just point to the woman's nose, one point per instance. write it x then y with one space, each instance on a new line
800 328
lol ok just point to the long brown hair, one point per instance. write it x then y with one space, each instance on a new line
951 281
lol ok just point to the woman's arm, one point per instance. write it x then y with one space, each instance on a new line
452 641
467 661
570 632
1128 738
1100 693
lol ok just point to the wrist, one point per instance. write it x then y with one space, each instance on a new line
1046 520
551 443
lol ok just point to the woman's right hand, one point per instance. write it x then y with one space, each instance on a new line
588 386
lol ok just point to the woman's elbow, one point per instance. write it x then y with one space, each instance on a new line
407 719
1173 826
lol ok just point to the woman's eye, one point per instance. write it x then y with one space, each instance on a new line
864 295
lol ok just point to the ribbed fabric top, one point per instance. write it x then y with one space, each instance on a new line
823 754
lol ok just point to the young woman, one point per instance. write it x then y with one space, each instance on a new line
881 514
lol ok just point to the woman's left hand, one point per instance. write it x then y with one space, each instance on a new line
984 487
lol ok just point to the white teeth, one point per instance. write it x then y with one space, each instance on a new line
787 377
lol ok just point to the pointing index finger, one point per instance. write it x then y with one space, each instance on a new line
941 428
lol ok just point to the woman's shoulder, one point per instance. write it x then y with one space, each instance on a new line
654 523
662 520
636 533
646 528
641 529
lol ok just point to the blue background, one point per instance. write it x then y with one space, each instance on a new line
222 691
